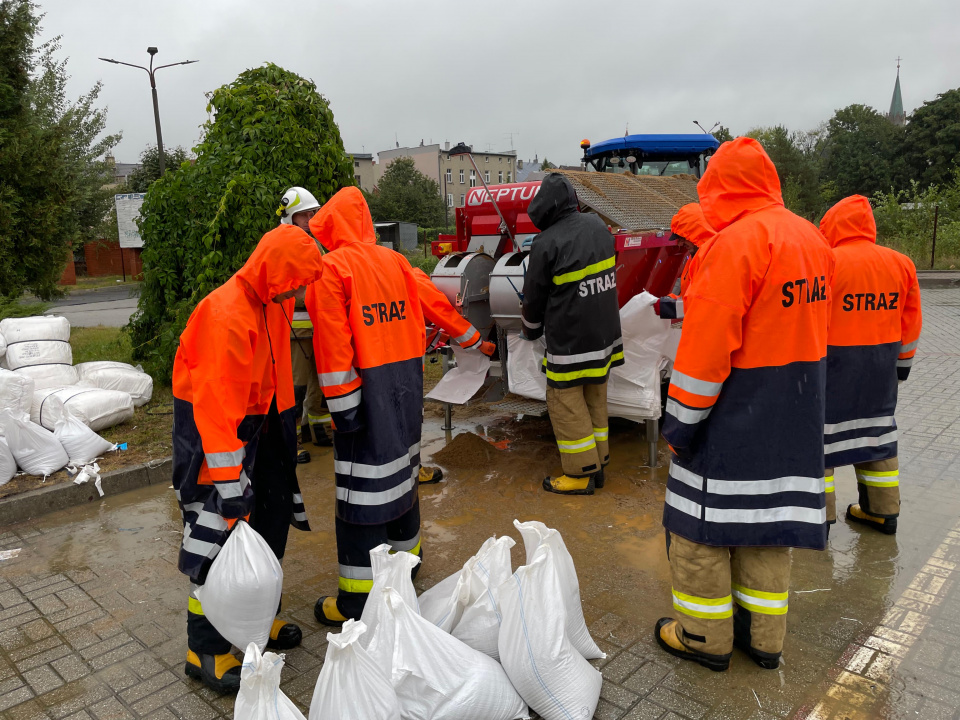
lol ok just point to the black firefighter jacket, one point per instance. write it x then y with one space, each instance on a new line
570 289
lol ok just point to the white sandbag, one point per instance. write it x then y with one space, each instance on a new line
16 393
37 327
242 592
3 346
351 686
524 360
137 384
38 352
464 604
551 676
35 449
437 677
479 623
535 534
97 409
82 444
260 696
95 365
390 570
8 466
50 376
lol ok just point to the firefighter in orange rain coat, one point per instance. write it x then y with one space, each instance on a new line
875 325
438 311
694 232
369 340
745 417
234 442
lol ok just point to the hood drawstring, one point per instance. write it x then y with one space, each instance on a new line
263 307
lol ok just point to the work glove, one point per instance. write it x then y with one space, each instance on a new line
236 507
656 307
487 348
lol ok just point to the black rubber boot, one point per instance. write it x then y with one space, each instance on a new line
667 639
205 669
742 641
284 636
599 479
888 526
429 475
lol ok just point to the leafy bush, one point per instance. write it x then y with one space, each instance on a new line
905 222
271 130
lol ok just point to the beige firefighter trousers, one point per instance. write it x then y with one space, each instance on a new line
580 424
718 591
305 375
878 483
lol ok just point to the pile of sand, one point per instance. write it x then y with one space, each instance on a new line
467 450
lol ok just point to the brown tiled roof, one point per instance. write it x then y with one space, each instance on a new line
633 202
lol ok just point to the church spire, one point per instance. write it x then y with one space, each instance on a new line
896 115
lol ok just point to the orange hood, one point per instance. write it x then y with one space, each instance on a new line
690 224
344 220
850 219
284 259
740 180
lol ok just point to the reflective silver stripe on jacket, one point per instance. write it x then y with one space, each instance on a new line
199 547
860 442
695 386
685 414
909 346
531 325
347 402
682 504
793 483
359 497
231 458
584 357
905 362
232 488
301 315
341 377
374 472
860 424
756 516
467 335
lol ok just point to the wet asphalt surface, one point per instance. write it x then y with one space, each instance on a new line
92 611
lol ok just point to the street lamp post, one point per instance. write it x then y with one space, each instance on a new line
153 89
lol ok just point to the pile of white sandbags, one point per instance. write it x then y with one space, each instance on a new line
97 409
40 348
16 393
436 656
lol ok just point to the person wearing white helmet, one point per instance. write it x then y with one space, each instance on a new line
297 206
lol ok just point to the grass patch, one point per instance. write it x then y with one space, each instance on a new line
100 343
102 281
18 309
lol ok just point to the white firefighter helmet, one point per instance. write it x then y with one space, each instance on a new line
294 200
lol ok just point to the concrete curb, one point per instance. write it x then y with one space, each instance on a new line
41 501
938 279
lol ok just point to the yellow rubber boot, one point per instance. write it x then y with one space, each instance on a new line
327 612
429 475
887 526
218 672
667 634
284 635
566 485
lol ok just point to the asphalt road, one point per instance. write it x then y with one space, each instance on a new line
110 306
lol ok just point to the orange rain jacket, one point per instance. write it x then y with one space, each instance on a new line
746 399
369 343
232 365
875 325
438 311
689 224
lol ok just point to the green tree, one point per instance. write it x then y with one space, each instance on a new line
933 139
406 194
52 179
271 129
722 134
863 154
149 170
547 165
796 169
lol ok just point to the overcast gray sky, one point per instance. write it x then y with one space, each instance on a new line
549 71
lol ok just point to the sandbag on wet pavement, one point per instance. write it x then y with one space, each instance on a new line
351 685
260 696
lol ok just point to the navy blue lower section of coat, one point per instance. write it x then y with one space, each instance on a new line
376 466
753 475
861 402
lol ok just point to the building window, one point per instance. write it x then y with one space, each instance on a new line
486 176
473 179
486 158
450 200
500 177
357 179
509 177
449 175
356 163
461 176
461 200
499 159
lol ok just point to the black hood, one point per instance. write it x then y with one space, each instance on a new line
555 201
